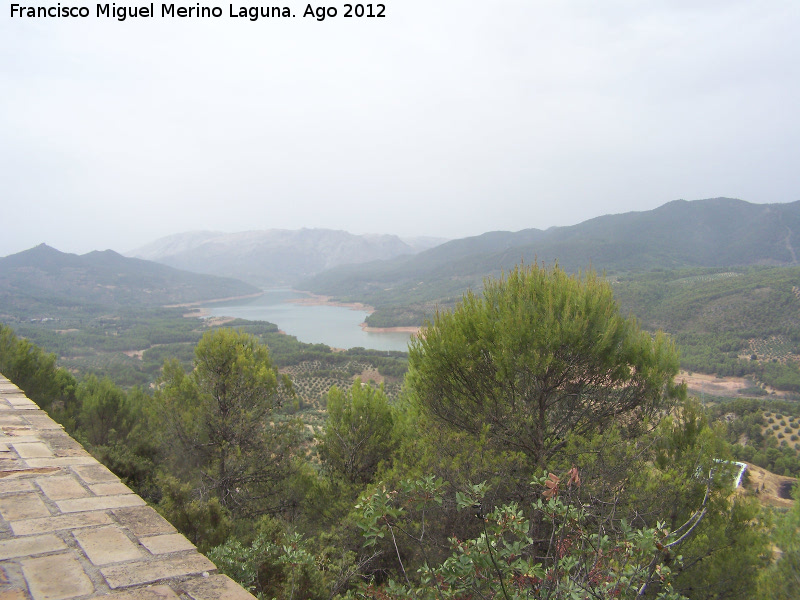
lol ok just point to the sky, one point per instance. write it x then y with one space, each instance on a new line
444 118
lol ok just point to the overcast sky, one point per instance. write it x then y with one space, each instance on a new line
445 118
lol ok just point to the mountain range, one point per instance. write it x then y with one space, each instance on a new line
274 257
718 232
43 278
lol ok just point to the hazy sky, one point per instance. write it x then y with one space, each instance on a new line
445 118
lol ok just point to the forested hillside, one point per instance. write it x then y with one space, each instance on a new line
543 447
43 282
718 232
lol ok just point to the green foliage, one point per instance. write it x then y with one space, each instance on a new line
358 435
34 371
204 521
103 415
782 579
220 416
276 564
539 357
579 560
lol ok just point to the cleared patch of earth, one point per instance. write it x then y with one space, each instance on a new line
770 489
700 383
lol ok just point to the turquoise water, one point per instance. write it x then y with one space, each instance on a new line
336 326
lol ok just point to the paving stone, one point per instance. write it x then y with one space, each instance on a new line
131 574
25 472
163 544
11 464
18 401
15 485
22 506
14 594
99 503
39 420
19 435
10 419
32 450
56 577
61 487
215 587
107 545
151 592
30 546
94 473
110 489
60 461
143 521
76 521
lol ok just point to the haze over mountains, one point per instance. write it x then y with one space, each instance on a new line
275 257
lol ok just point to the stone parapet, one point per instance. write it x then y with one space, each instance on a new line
69 528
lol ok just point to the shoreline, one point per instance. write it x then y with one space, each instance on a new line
202 311
412 329
319 300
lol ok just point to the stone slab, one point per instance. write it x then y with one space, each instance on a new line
99 503
143 521
130 574
41 421
21 471
30 546
164 544
22 506
18 401
215 587
75 521
19 435
107 545
60 461
14 484
110 489
94 473
32 450
56 577
151 592
61 487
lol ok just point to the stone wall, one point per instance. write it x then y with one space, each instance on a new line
69 528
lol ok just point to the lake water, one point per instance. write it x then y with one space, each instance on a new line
336 326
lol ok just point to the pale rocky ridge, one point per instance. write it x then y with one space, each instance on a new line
275 256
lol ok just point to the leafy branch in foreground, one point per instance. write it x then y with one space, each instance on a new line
556 551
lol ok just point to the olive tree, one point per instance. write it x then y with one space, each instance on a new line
540 355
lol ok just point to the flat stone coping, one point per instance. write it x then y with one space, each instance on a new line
69 528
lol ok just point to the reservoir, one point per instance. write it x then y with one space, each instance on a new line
336 326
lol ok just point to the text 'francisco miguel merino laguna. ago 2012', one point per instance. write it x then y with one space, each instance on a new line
252 13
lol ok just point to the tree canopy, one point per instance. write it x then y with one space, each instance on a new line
541 355
220 415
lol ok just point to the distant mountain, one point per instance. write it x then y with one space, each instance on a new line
718 232
275 256
43 277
